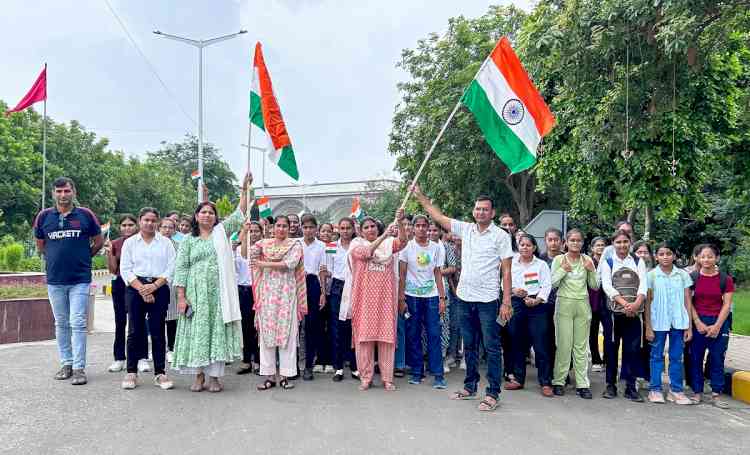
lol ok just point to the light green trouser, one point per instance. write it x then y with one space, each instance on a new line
572 325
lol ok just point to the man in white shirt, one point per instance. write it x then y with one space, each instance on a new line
314 256
486 252
146 266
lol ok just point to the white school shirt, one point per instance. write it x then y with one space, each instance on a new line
534 277
605 273
314 256
336 262
421 262
481 255
242 268
155 259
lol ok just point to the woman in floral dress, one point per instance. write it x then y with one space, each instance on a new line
209 333
280 302
373 262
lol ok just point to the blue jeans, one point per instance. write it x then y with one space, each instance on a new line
425 312
717 348
70 308
478 319
400 357
676 347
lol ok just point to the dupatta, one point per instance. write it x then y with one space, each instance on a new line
382 255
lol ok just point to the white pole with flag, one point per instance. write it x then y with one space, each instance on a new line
44 149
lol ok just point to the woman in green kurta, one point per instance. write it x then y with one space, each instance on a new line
207 334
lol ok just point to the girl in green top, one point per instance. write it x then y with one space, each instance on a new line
572 274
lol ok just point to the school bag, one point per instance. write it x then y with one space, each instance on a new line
626 282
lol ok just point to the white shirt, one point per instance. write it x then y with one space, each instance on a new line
421 262
605 273
314 256
154 259
242 268
336 262
534 277
481 255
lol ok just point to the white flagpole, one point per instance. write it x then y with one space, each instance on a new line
44 146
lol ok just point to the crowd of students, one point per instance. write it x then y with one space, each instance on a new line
386 300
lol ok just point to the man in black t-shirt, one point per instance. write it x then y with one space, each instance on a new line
68 236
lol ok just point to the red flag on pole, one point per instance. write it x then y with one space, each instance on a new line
37 93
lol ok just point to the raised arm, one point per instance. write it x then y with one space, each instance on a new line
434 212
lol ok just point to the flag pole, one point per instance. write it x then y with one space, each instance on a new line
249 137
44 144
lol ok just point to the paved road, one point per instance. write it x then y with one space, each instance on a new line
42 416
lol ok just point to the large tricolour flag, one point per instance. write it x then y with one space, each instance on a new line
508 108
266 115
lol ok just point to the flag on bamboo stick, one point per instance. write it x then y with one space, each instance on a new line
357 211
266 115
264 207
195 175
508 108
38 92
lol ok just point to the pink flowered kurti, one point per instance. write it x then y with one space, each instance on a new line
276 293
374 302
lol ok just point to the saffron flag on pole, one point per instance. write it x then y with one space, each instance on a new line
357 212
266 115
37 93
508 108
264 207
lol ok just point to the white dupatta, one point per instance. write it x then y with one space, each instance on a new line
381 255
228 294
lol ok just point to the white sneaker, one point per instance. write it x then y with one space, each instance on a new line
144 366
170 356
130 381
329 369
597 368
318 369
463 364
163 382
117 366
446 367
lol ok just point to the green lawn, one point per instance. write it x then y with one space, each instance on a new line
15 292
741 316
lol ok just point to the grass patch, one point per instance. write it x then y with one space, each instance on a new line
23 292
741 315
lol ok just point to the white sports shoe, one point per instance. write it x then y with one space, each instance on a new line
318 369
446 367
329 369
144 366
463 364
116 366
163 382
170 356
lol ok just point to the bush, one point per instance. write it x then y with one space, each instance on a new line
11 257
31 264
99 262
739 263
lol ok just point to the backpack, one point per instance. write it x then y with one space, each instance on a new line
626 281
694 275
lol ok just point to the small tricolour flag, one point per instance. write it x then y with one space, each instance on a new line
195 175
508 108
266 115
105 227
264 207
331 248
357 211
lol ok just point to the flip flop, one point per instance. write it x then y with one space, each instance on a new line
488 404
285 384
463 394
267 384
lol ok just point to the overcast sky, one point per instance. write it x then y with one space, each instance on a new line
332 64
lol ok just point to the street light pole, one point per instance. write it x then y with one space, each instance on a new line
200 44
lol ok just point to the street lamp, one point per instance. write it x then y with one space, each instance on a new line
200 44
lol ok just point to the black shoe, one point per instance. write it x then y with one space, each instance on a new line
633 395
558 390
399 372
295 377
307 375
610 392
246 369
584 393
377 369
337 377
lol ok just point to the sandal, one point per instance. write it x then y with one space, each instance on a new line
463 394
718 402
389 386
198 386
285 384
488 404
215 385
364 386
267 384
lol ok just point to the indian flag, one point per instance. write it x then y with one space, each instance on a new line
105 227
266 115
195 175
508 108
264 207
331 248
356 210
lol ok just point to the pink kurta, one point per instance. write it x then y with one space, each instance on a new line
374 300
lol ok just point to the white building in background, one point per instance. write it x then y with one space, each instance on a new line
331 200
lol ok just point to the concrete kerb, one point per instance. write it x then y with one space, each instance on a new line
737 384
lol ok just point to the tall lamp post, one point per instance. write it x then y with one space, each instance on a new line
200 44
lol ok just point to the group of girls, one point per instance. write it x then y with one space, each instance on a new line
644 303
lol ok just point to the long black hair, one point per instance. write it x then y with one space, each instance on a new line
195 230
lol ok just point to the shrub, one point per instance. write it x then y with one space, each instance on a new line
13 256
99 262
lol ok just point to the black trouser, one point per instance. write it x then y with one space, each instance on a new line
596 319
625 330
313 338
340 331
250 348
171 333
121 317
137 312
530 326
324 346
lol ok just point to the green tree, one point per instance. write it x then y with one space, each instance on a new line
384 206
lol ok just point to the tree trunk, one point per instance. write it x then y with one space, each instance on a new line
522 188
631 215
648 220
